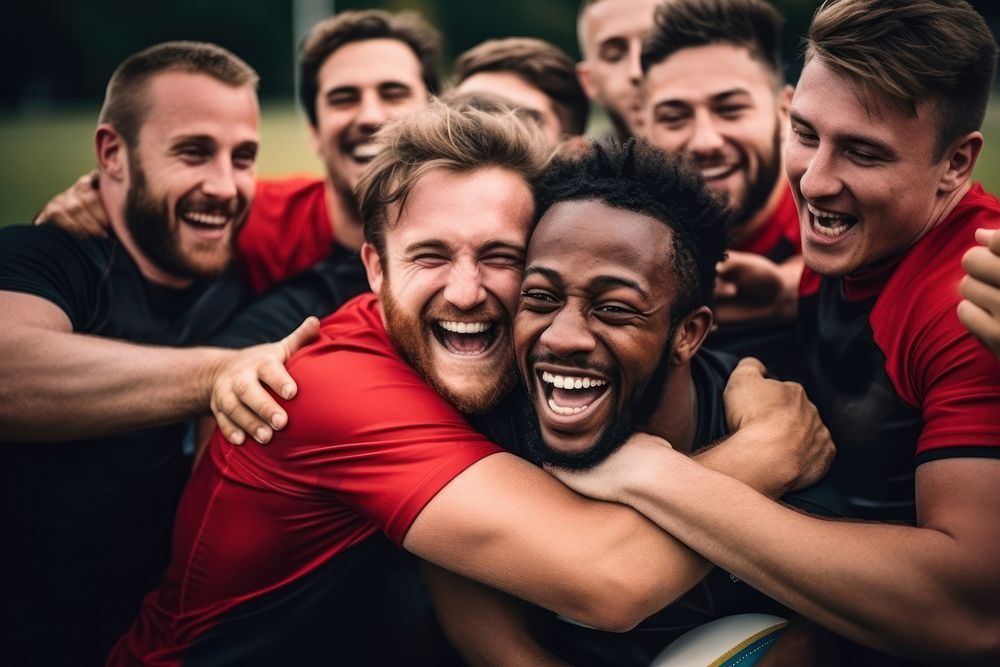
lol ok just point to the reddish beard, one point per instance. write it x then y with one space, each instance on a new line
413 338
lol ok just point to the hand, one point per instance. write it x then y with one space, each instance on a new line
78 209
791 443
609 479
237 395
980 311
752 287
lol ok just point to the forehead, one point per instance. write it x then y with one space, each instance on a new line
615 19
370 62
703 72
464 209
510 86
578 238
839 107
197 104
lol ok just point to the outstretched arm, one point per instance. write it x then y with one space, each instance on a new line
61 385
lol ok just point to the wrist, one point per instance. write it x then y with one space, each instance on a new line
653 481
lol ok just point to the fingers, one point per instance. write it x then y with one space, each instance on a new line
989 238
235 416
750 365
305 333
981 294
983 325
982 264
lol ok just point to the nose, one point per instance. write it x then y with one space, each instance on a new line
635 61
705 138
464 288
220 180
568 333
819 179
372 112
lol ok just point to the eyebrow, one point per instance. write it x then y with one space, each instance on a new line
732 92
718 97
440 246
597 284
855 139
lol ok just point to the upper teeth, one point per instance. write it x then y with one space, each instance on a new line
365 151
715 172
571 382
206 218
465 327
819 213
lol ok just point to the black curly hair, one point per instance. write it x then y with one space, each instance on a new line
637 176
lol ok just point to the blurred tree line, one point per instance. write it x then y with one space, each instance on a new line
61 52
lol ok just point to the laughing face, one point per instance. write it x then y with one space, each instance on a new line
718 105
361 86
867 184
593 333
449 279
191 174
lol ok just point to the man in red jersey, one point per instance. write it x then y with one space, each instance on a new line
885 135
378 452
715 92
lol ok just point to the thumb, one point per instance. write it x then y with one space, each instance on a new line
750 365
305 333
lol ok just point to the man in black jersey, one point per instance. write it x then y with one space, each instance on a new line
93 451
613 311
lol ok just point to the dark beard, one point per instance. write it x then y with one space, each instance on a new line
407 333
148 222
760 189
634 417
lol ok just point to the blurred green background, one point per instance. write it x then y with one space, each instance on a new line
56 57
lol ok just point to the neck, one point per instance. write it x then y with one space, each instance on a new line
347 229
764 213
113 199
676 417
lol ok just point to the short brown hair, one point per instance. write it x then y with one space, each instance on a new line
457 137
355 26
911 51
680 24
124 105
542 65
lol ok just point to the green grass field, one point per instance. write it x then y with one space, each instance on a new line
43 154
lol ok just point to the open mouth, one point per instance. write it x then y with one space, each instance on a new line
203 221
828 223
572 394
717 172
467 339
364 153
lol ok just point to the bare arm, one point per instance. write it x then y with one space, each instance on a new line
60 384
932 590
980 311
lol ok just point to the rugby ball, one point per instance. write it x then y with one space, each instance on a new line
733 641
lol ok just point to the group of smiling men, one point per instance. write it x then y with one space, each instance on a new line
535 300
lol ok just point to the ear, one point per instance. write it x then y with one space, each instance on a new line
314 141
112 154
584 74
690 334
784 104
373 267
961 160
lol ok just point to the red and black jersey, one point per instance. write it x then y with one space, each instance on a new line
897 378
287 231
776 344
280 553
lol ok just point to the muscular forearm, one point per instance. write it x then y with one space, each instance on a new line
908 590
484 625
60 385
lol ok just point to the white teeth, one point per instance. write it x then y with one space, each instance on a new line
365 151
560 410
828 224
465 327
205 218
709 173
571 382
